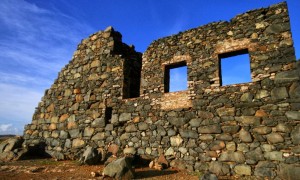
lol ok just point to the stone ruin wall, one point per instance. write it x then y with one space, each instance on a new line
110 94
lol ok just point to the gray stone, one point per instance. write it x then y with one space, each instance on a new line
281 127
208 176
63 135
11 144
248 120
120 169
226 111
143 126
274 156
88 131
245 136
90 156
129 150
242 169
255 155
293 115
219 168
125 117
74 133
176 140
178 121
231 146
286 76
211 129
224 137
278 93
267 147
189 134
171 132
232 157
109 127
295 135
131 128
264 172
247 97
161 131
278 28
262 130
289 172
56 155
206 137
99 136
169 152
99 122
274 138
124 136
195 122
262 94
294 90
230 129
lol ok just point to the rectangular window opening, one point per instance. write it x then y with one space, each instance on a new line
175 77
234 67
108 115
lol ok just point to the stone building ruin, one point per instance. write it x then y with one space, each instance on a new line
111 94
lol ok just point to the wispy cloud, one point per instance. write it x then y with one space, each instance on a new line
35 43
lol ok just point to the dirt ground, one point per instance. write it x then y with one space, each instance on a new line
66 170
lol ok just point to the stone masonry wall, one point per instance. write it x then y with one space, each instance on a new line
244 129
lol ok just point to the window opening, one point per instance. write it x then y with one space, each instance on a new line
175 77
235 67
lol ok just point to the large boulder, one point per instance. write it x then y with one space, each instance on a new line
11 149
120 169
90 156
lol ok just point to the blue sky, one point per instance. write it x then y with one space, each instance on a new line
38 37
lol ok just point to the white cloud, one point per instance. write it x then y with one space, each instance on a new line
35 43
5 127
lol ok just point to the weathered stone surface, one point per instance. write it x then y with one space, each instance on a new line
249 120
294 90
262 130
129 150
178 121
125 117
131 128
255 155
99 122
90 156
296 135
195 122
293 115
274 156
212 129
247 97
279 93
88 131
219 168
143 126
226 111
245 136
289 172
120 169
189 134
232 157
286 76
176 140
99 136
242 169
274 138
208 176
230 129
78 143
